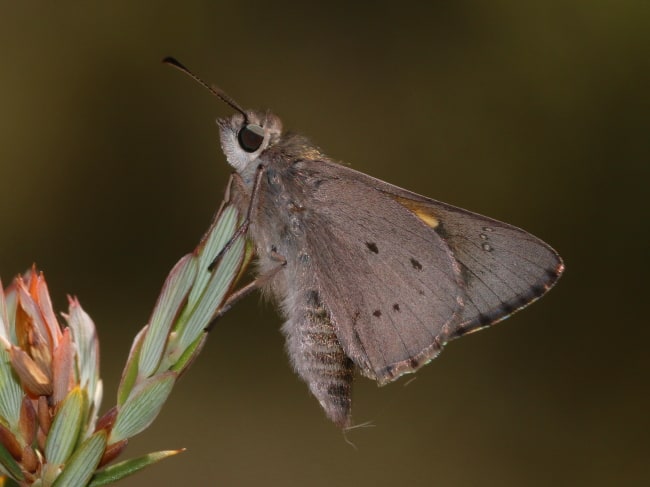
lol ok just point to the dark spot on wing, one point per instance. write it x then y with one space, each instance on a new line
552 274
396 307
507 308
482 319
465 274
414 363
355 318
537 291
313 298
376 313
390 371
523 300
420 292
372 247
416 264
458 331
442 231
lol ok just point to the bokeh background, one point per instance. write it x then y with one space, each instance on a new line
533 113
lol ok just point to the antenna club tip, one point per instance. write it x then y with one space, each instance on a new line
172 60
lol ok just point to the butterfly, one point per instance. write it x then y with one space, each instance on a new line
368 276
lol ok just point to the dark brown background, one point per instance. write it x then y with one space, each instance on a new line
110 170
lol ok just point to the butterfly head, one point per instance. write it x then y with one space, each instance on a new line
245 138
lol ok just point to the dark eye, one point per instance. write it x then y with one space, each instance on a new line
251 137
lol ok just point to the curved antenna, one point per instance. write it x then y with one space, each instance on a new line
216 91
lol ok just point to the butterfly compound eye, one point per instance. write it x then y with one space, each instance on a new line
251 137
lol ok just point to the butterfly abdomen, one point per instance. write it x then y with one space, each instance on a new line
319 359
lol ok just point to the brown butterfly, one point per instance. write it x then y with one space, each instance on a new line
368 276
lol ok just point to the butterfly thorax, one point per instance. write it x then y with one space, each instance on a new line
282 218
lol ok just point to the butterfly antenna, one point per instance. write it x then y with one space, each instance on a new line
216 91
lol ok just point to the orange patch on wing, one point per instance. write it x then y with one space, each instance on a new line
420 210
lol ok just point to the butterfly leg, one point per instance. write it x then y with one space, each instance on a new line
243 228
257 283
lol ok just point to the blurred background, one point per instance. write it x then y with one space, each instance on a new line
535 114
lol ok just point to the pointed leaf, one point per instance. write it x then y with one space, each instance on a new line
4 319
83 462
123 469
33 378
93 410
10 465
27 424
107 421
9 482
130 372
29 461
173 294
113 451
142 406
62 368
42 297
43 414
65 428
216 238
218 286
190 353
249 253
10 442
86 343
11 394
10 305
31 331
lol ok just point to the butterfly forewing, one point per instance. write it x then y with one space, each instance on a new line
418 273
395 283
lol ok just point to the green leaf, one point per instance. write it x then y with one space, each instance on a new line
64 432
10 309
213 296
9 464
130 372
217 237
173 294
9 482
4 319
190 353
83 462
11 394
86 344
129 467
142 406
